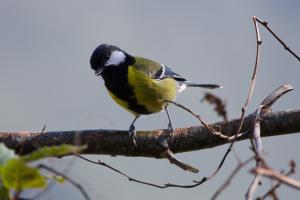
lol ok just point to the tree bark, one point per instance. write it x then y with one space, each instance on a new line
117 142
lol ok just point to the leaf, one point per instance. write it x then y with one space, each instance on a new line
51 151
18 176
6 154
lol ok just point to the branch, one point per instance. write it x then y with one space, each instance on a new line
272 190
231 176
117 142
252 188
170 156
278 176
70 180
265 24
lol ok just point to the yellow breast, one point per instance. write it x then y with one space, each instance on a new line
149 92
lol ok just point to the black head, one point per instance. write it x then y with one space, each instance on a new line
106 55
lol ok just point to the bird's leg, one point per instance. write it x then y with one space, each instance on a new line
132 131
170 126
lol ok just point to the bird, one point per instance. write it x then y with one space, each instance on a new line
140 85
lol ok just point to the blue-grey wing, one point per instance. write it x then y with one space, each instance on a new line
166 72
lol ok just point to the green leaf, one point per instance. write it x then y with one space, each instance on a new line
18 176
5 154
44 152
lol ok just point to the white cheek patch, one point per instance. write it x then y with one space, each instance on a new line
115 58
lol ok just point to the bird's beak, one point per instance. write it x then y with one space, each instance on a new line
99 71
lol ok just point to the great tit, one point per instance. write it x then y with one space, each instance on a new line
140 85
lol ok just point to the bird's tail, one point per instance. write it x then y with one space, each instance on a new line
209 86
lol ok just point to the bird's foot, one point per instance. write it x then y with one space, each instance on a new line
131 134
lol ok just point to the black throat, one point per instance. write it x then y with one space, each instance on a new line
116 81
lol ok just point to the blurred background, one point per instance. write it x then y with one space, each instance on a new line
45 79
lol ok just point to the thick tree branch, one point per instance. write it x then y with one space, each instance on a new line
116 142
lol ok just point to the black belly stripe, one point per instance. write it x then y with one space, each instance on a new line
116 81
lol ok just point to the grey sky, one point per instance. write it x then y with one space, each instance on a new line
45 78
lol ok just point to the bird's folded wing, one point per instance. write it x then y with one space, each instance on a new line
155 70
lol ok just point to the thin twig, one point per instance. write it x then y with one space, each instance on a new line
99 162
51 183
262 109
252 85
256 140
62 174
195 115
171 157
74 183
278 176
167 185
271 191
207 126
265 106
230 177
265 24
252 188
249 96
